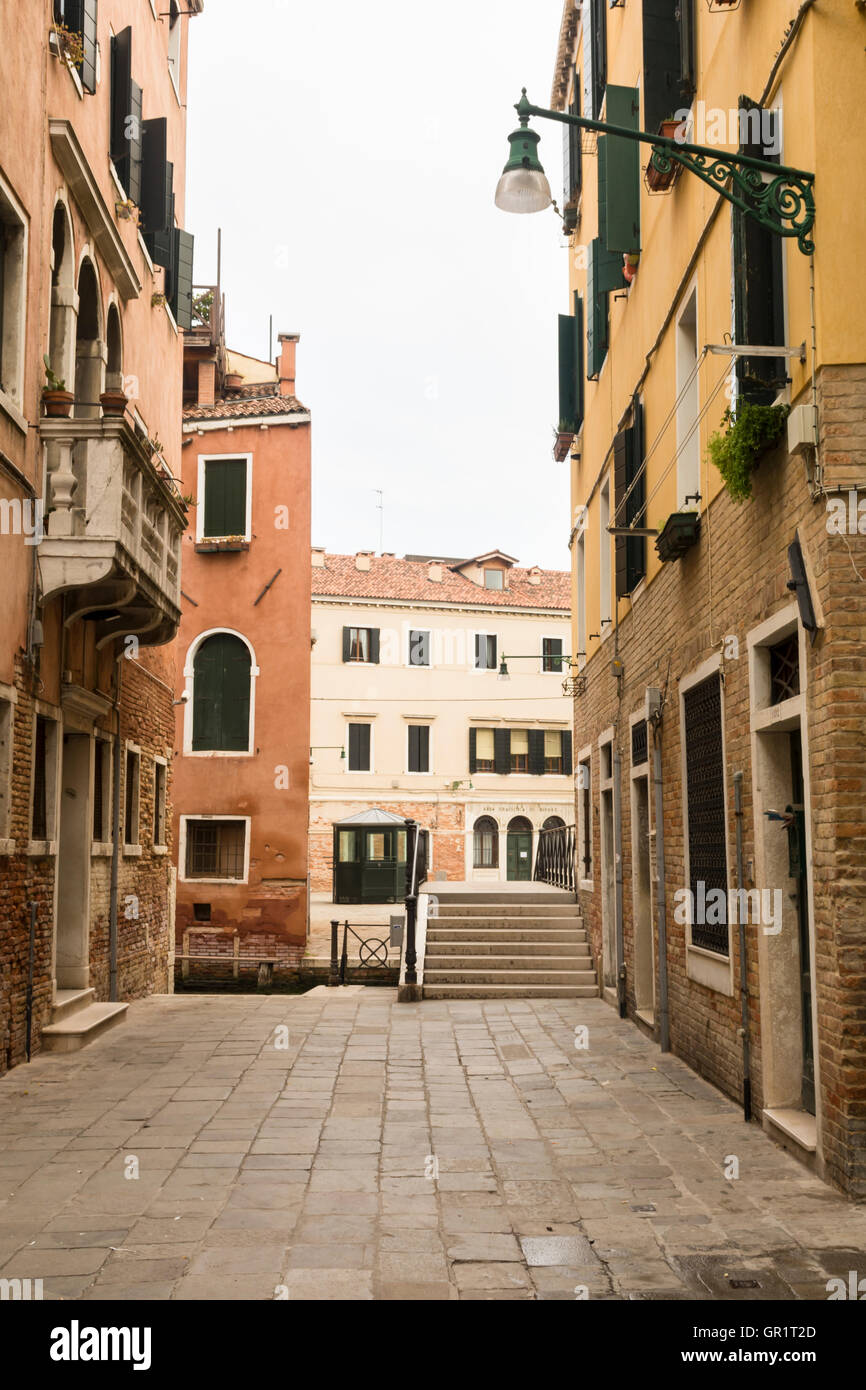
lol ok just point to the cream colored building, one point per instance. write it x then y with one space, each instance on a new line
411 714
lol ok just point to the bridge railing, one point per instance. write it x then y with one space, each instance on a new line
555 858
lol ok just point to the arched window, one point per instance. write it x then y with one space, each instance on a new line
89 348
486 843
553 823
61 332
114 345
222 671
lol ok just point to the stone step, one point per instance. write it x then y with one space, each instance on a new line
578 950
479 991
543 975
482 932
81 1027
496 919
71 1001
486 965
504 906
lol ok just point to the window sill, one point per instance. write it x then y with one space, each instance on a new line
212 880
218 753
132 851
586 885
160 849
101 849
709 969
41 849
214 547
795 1125
7 847
8 406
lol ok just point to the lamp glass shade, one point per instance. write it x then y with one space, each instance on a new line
523 186
504 674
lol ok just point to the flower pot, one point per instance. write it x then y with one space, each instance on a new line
58 404
564 441
657 180
113 404
679 534
234 380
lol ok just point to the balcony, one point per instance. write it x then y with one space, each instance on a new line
113 527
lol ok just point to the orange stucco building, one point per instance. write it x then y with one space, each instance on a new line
241 779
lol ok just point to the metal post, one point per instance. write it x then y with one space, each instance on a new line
744 973
344 959
411 902
29 1006
334 975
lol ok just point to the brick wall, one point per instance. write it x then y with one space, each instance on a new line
446 822
676 624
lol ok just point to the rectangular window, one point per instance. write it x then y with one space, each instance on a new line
705 805
572 151
101 790
80 17
361 644
13 255
759 297
7 710
43 752
494 579
419 748
484 750
215 849
225 499
485 652
668 59
159 781
131 798
630 504
519 750
419 648
359 748
551 654
584 813
552 750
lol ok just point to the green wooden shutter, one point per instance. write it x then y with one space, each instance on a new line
662 62
571 150
620 486
473 756
567 755
419 748
359 747
502 751
235 703
225 497
536 752
567 375
121 78
347 644
604 273
182 295
598 44
759 304
374 645
88 40
620 197
154 175
221 695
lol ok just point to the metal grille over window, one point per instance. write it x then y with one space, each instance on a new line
708 860
638 743
98 774
40 798
785 669
215 849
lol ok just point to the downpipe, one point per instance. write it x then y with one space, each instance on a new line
617 857
744 983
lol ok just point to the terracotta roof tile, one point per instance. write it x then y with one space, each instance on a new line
247 402
392 578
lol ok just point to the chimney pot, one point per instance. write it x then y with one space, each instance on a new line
286 364
363 559
318 557
434 572
206 383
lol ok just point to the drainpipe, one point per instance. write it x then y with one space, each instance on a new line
115 844
744 986
617 857
661 918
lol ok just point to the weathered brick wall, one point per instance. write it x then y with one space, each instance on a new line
446 822
676 624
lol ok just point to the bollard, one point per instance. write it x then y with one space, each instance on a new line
334 974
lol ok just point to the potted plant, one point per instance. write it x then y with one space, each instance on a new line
113 403
55 397
564 441
126 210
157 300
678 534
662 176
70 44
748 434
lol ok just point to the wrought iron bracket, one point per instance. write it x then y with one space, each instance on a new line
777 196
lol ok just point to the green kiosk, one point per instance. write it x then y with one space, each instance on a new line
370 858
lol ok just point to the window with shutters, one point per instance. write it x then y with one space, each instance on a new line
44 781
13 274
519 750
80 17
571 405
102 827
759 289
485 651
160 773
572 153
594 56
360 748
485 843
361 644
705 814
603 274
668 59
419 647
174 35
131 796
551 655
619 177
485 754
553 750
630 504
418 738
215 848
224 510
125 122
222 695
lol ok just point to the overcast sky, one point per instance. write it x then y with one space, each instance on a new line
350 154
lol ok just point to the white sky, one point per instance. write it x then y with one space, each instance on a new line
350 153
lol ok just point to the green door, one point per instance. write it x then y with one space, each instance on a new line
519 851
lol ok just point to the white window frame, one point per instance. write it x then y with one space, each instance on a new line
182 847
419 665
102 848
160 846
584 757
15 310
553 637
708 968
361 771
492 588
203 460
362 627
482 670
189 689
131 848
8 701
688 451
418 724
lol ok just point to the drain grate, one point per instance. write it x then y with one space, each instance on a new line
744 1284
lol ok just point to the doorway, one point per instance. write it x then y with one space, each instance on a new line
519 852
72 963
608 901
642 901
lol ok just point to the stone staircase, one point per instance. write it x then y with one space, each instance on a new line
500 946
76 1019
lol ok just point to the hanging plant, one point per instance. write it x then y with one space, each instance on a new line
748 434
70 43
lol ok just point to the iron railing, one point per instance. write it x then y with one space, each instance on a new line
555 856
372 951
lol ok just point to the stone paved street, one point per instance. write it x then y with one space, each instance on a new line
302 1171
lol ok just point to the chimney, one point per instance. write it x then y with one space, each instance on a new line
434 572
286 365
206 383
363 559
318 557
534 575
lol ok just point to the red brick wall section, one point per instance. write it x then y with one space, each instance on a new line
673 627
445 821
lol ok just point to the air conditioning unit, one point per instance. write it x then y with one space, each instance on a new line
802 435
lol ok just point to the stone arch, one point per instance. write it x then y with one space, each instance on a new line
64 299
90 351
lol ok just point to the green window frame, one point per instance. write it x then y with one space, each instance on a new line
222 690
224 509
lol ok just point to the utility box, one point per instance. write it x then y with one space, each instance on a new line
397 924
802 432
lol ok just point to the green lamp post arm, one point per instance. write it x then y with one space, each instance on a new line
783 204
